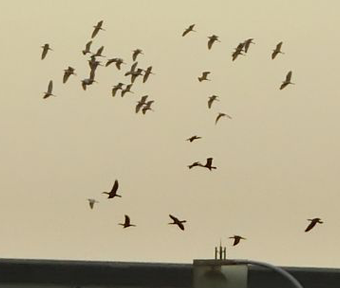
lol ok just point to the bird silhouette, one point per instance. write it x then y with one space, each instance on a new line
94 63
88 81
189 29
117 61
147 73
67 73
211 100
277 50
147 106
136 53
117 87
97 28
113 192
247 44
211 41
99 52
177 222
132 69
127 222
92 202
87 48
45 48
204 76
238 51
312 223
193 138
287 81
127 89
195 164
222 115
209 164
141 102
49 90
237 239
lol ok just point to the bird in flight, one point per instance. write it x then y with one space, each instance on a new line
221 115
204 76
97 28
45 47
211 41
238 51
118 61
237 239
117 87
136 53
177 222
126 90
141 102
49 90
277 50
209 164
87 48
99 52
312 223
127 222
189 29
287 80
211 100
147 73
195 164
88 81
113 192
247 44
193 138
147 106
92 202
67 73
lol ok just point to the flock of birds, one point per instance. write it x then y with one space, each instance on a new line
144 104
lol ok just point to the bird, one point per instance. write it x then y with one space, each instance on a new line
92 202
99 52
49 90
126 90
45 47
204 76
88 81
87 48
113 192
237 239
117 87
211 100
221 115
118 61
189 29
141 102
195 164
313 222
238 51
127 222
94 63
135 74
277 50
136 53
177 222
132 69
211 41
193 138
209 164
97 28
287 80
147 73
247 44
67 73
147 106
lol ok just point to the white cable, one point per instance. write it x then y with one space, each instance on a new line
270 266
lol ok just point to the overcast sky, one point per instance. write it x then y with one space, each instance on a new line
277 159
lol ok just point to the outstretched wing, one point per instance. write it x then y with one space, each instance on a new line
289 76
115 187
50 87
310 226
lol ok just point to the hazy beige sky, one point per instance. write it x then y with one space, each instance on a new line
277 159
